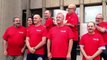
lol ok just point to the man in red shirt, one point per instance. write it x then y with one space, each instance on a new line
72 22
60 40
48 20
91 43
48 24
14 40
35 40
101 27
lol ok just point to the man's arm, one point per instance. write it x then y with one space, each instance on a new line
99 51
84 53
31 49
101 29
43 42
69 49
5 47
48 49
23 49
70 25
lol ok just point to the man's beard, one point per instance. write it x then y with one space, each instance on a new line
17 25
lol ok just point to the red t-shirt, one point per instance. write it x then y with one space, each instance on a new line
103 24
59 37
35 35
49 23
15 38
91 44
73 19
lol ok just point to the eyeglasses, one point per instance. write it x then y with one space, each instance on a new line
99 18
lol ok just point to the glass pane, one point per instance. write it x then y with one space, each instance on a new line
78 12
91 12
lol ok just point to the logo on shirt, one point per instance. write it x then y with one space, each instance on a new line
38 30
63 30
96 39
21 32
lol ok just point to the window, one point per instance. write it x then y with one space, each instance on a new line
91 12
78 12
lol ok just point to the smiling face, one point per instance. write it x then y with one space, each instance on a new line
16 22
91 27
99 18
36 19
59 18
29 21
47 14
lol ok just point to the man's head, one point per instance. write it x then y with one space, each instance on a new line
59 18
91 27
29 21
36 18
99 18
71 8
47 14
16 21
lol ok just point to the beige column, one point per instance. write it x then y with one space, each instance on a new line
61 4
2 57
7 11
81 14
43 9
28 12
81 11
104 9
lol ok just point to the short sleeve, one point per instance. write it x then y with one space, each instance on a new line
44 32
49 34
5 36
27 33
70 33
101 41
75 20
81 43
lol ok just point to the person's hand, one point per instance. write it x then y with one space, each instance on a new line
22 51
101 29
89 58
68 57
49 56
5 52
32 50
70 25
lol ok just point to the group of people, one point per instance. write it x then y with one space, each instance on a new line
58 41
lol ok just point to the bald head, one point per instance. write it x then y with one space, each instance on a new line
99 18
36 15
71 8
36 18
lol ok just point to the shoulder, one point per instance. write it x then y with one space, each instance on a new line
10 27
22 27
85 35
98 35
53 28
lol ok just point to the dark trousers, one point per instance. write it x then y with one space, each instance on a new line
74 50
104 54
35 57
